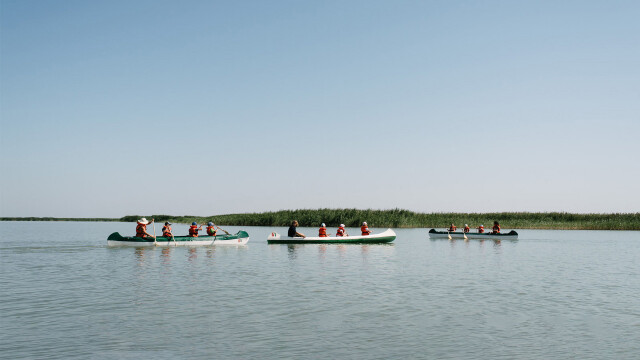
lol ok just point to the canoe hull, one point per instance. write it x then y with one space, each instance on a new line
384 237
240 238
433 234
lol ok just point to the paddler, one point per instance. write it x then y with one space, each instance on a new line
365 229
211 229
481 229
293 230
452 228
322 232
496 228
466 228
341 231
193 229
166 230
141 228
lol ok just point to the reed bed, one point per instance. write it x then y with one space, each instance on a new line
399 218
395 218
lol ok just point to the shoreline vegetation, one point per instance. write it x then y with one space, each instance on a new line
394 218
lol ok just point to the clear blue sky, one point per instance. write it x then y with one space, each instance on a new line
111 108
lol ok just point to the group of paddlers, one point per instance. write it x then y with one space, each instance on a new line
494 230
141 229
322 232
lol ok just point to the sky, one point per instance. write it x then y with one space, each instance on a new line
113 108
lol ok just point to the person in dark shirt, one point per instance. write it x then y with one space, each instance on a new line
292 230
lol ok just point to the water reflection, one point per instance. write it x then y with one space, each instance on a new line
165 255
139 254
193 254
291 251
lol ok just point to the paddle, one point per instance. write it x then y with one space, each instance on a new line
464 233
155 239
449 234
225 231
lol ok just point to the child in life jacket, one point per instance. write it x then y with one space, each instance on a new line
322 232
211 229
365 229
193 229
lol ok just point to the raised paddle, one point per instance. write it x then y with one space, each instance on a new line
225 231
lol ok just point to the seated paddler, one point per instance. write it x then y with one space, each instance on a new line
166 230
481 229
365 229
341 231
293 231
141 228
211 229
452 228
466 228
496 228
322 232
193 229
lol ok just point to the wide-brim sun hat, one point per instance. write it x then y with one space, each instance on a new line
143 221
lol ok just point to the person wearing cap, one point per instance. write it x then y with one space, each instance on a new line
293 232
341 231
193 229
466 228
211 229
141 228
365 229
480 229
166 230
322 232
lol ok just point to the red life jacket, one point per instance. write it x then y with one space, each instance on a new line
141 230
481 229
452 228
166 231
466 229
496 229
365 230
340 232
211 230
322 232
193 231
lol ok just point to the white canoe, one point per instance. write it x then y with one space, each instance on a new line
383 237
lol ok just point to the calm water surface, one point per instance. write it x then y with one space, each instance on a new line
551 294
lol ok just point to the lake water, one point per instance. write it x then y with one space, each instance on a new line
548 295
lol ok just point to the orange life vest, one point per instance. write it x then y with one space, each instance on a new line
193 231
452 228
322 232
166 231
481 229
466 229
340 232
365 230
141 230
211 230
496 229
